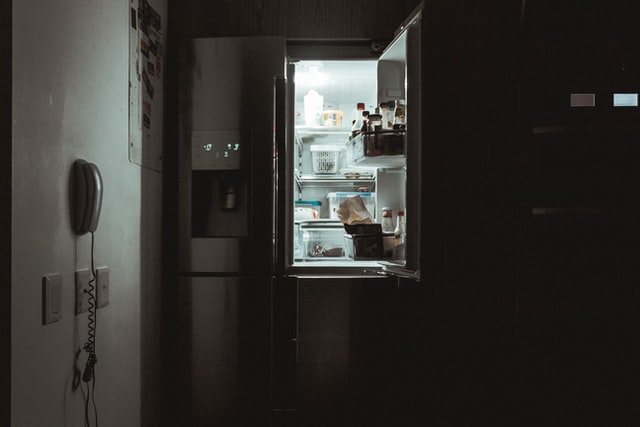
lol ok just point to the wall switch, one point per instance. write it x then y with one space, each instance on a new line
82 290
102 283
51 298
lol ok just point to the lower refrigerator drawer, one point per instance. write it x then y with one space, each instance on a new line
322 240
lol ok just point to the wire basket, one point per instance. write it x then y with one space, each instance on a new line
325 159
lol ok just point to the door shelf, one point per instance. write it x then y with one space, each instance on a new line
384 149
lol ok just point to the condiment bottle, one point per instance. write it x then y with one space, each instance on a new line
375 122
400 230
399 115
400 234
385 111
365 122
356 125
387 220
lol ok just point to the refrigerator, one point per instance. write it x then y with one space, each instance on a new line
263 175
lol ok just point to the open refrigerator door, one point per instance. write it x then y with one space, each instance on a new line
356 162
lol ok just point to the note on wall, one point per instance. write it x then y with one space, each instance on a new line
146 68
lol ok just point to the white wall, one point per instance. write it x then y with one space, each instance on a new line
70 83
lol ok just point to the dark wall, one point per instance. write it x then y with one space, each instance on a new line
375 19
5 211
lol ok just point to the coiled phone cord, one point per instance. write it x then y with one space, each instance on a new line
90 346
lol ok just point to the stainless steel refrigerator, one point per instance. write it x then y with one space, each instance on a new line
257 222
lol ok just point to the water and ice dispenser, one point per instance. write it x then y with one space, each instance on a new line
220 175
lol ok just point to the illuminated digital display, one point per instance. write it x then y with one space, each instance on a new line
216 149
231 148
625 99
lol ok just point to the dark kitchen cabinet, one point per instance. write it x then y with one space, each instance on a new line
578 143
578 226
578 305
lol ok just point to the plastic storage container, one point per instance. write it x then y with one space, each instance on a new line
334 199
368 242
325 159
322 240
313 103
306 209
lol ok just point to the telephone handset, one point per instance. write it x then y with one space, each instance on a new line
88 196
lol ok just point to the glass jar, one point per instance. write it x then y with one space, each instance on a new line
375 122
400 112
387 220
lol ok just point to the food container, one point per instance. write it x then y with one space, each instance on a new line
332 118
368 242
306 209
313 103
334 199
381 246
363 241
364 246
322 239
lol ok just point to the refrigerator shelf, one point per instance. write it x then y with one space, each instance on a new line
316 179
320 130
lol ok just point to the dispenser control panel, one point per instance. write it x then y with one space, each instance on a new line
216 149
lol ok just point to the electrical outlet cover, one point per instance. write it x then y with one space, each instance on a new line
51 298
82 290
102 283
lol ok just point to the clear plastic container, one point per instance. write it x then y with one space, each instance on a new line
334 199
313 104
322 240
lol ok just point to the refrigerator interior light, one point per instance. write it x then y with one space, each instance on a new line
312 75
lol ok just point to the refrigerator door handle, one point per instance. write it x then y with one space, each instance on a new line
279 175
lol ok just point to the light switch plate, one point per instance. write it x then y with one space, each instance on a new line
51 298
102 283
82 290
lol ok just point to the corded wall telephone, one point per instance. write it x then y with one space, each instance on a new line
88 202
88 196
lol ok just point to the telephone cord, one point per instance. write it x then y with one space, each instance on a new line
90 346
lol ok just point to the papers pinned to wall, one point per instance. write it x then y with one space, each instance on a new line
146 68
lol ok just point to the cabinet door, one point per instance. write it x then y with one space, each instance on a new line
577 318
